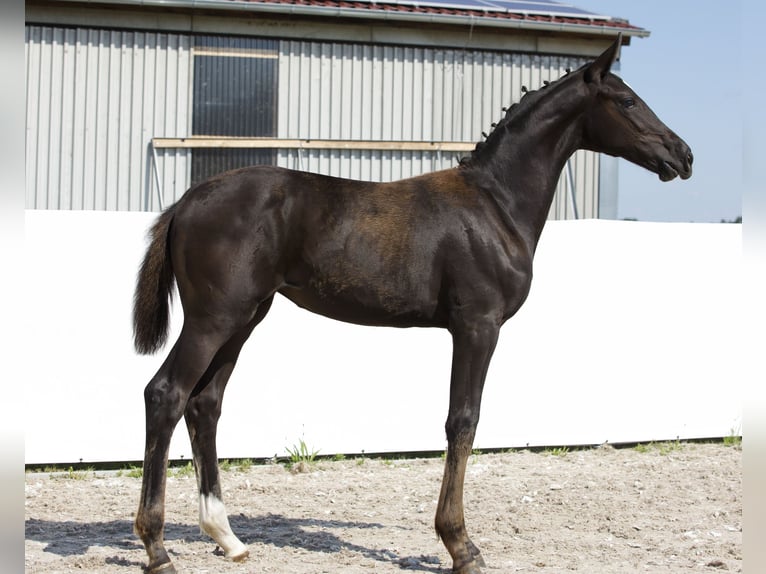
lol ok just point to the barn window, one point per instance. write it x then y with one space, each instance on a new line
235 94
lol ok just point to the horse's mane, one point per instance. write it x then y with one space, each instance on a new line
516 112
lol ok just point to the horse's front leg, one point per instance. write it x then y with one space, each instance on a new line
473 344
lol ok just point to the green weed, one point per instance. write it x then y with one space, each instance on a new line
71 473
557 451
132 472
664 448
301 457
734 438
80 474
181 471
670 446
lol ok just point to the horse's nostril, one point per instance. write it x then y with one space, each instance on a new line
690 158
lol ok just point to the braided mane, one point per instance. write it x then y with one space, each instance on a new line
512 114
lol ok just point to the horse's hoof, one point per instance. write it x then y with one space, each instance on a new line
476 554
240 557
164 568
472 567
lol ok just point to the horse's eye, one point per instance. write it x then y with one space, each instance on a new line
628 103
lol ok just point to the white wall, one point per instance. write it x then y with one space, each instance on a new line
631 333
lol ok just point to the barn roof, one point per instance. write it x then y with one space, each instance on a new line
530 13
537 15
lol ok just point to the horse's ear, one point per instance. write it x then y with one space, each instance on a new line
600 67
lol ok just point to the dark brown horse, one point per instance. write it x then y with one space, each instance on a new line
451 249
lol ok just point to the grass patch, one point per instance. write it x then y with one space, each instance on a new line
71 473
82 474
557 451
241 465
132 472
734 438
670 446
301 457
68 473
664 448
181 471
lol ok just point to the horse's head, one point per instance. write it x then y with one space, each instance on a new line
618 122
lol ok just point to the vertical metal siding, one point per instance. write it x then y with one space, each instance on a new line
95 98
372 92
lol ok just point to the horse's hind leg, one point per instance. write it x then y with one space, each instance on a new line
165 398
202 413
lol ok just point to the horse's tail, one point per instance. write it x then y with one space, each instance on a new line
154 289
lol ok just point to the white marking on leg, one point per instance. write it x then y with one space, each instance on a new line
213 521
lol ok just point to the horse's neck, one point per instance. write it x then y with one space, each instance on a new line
527 161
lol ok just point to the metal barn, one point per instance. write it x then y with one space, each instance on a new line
128 102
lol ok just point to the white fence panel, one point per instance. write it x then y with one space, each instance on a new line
632 332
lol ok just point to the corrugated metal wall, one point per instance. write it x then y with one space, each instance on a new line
95 98
372 92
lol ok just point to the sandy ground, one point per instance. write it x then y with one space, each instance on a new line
665 509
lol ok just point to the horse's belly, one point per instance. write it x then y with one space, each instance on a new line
382 303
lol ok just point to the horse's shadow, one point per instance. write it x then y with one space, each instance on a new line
313 535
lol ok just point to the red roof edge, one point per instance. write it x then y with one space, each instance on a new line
486 15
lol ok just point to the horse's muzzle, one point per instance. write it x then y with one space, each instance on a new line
669 169
687 173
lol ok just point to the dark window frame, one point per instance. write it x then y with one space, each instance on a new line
235 94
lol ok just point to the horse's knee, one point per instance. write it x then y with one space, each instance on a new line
461 428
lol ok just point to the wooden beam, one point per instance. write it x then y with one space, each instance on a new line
281 143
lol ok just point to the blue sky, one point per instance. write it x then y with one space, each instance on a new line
688 71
